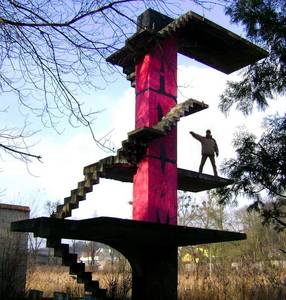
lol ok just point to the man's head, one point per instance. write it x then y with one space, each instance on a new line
208 134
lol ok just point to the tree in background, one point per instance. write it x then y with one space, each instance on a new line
208 214
259 171
263 242
259 254
118 275
264 23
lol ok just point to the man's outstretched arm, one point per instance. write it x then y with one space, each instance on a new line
196 136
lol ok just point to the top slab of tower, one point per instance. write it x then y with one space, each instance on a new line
197 38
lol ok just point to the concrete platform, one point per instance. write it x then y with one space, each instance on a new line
191 181
197 38
123 233
188 181
151 248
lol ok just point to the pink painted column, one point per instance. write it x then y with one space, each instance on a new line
155 183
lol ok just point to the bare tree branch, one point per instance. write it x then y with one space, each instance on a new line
52 49
20 152
14 142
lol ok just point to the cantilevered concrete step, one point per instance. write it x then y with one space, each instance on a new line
139 138
124 234
134 148
145 135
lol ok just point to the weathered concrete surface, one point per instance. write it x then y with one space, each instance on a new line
189 181
124 232
197 38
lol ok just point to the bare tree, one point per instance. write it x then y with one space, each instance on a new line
52 49
51 207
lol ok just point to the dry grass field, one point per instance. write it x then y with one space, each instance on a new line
238 284
56 278
52 278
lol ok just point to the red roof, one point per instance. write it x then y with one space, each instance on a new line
14 207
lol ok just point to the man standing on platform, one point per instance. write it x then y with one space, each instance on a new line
209 149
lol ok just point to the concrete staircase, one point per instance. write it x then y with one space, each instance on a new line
183 109
128 156
76 268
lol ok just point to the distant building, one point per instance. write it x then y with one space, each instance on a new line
45 256
98 260
13 251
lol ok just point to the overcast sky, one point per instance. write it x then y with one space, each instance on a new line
65 156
